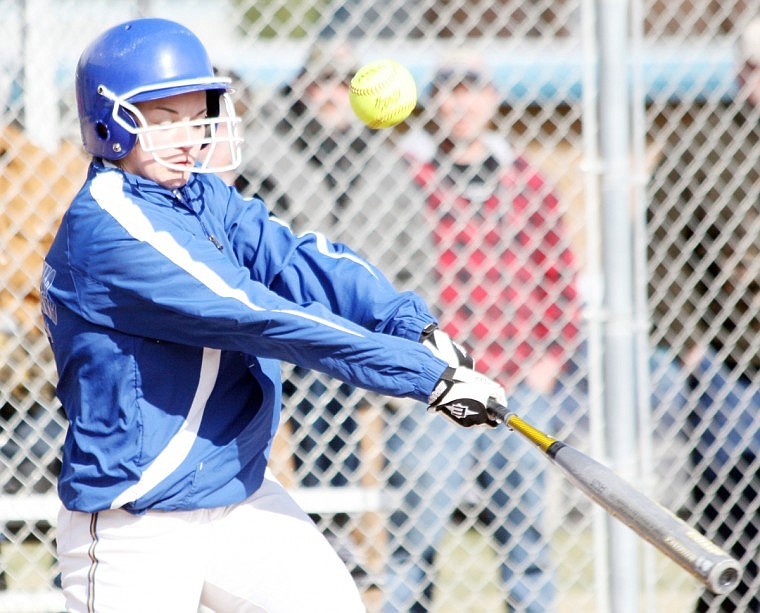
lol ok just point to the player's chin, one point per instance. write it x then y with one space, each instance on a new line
172 179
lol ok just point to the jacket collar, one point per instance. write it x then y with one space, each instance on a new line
187 194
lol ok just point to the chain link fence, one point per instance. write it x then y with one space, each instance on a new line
376 474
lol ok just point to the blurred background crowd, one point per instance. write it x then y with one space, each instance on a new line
577 192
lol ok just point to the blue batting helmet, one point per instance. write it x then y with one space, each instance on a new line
139 60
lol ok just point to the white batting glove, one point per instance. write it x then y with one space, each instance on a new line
462 396
443 347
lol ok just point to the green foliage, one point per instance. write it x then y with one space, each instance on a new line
280 19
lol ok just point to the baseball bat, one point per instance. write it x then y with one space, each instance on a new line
692 551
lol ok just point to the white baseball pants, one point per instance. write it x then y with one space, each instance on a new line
263 554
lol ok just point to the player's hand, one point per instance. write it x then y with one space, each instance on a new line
442 346
462 396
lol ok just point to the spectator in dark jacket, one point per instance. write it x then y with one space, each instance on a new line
704 224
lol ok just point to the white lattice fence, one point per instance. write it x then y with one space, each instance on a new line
333 450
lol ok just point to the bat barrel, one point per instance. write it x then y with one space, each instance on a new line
692 551
695 553
724 576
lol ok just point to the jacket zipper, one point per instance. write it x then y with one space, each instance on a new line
209 235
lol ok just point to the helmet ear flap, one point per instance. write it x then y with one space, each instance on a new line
113 141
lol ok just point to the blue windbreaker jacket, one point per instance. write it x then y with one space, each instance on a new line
168 313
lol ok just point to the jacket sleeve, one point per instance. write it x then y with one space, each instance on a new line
309 268
128 268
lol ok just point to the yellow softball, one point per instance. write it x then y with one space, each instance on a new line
382 93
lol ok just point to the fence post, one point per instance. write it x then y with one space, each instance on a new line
618 299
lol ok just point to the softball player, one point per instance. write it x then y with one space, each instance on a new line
169 300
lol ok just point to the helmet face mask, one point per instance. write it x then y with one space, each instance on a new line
152 59
220 131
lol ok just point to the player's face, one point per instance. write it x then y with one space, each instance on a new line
163 112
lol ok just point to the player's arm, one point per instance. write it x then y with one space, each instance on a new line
309 268
146 280
313 269
157 281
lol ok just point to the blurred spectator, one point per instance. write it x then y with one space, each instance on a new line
34 190
248 177
334 175
507 288
704 222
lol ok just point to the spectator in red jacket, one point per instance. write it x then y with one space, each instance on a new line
507 287
508 290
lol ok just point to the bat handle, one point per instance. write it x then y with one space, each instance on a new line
543 441
498 412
